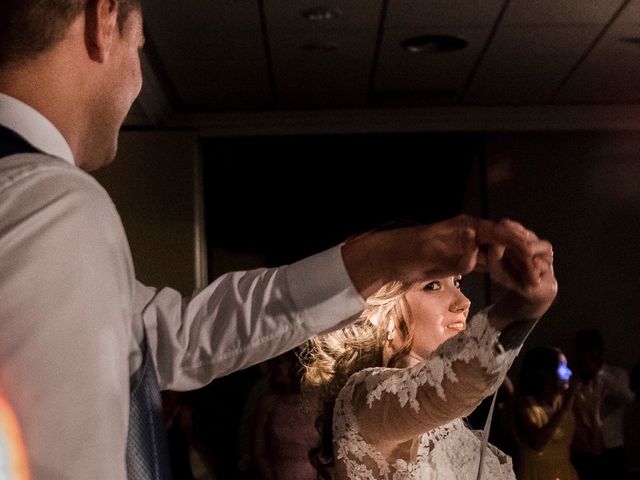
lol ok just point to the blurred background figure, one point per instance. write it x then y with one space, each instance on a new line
247 468
632 428
545 424
285 429
188 456
603 393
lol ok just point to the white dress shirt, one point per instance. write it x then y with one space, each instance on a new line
616 395
72 314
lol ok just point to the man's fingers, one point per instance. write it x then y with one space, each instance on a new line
490 233
526 234
542 266
540 248
509 245
541 253
533 250
467 253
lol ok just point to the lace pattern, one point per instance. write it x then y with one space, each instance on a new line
479 342
450 451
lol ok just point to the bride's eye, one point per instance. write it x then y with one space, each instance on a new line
431 286
457 283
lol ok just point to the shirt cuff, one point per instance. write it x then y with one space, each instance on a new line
322 291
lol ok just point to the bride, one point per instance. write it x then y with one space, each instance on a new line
396 384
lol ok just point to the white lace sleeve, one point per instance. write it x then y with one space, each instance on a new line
394 405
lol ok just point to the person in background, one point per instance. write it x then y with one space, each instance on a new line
85 348
632 428
396 384
284 429
603 393
544 421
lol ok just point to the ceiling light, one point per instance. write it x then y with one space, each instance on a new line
321 14
434 44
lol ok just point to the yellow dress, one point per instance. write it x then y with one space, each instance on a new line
553 462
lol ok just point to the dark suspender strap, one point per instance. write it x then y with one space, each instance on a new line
12 143
147 448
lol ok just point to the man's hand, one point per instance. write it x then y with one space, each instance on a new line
452 247
526 271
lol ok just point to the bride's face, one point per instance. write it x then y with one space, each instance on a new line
439 311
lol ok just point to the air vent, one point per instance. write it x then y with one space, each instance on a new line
434 44
321 14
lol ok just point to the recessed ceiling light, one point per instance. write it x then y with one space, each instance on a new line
434 44
321 14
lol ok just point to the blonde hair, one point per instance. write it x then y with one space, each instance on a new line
380 337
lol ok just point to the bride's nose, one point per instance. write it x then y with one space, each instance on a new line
459 303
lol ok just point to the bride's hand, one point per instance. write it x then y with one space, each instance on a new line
526 271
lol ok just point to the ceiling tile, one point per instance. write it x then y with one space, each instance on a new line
631 13
560 12
314 77
212 53
402 14
527 64
611 72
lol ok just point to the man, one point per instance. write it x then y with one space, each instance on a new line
602 395
80 337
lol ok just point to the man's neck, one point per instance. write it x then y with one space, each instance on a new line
39 89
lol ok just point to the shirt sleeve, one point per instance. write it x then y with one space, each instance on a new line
616 387
395 405
66 287
244 318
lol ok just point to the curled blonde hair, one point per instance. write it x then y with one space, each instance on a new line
380 337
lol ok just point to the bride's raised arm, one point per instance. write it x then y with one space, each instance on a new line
392 406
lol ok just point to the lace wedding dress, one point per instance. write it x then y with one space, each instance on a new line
401 424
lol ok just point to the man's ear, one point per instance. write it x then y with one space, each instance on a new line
101 27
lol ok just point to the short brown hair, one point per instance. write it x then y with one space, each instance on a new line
30 27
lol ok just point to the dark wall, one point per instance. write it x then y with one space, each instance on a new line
307 193
579 190
582 192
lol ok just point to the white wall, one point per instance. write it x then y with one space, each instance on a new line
155 183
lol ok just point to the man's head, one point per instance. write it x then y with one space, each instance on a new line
77 62
589 352
30 27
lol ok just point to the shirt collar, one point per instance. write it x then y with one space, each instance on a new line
34 127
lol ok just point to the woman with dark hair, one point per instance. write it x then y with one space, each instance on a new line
545 424
396 384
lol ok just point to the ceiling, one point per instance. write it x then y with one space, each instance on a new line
231 67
